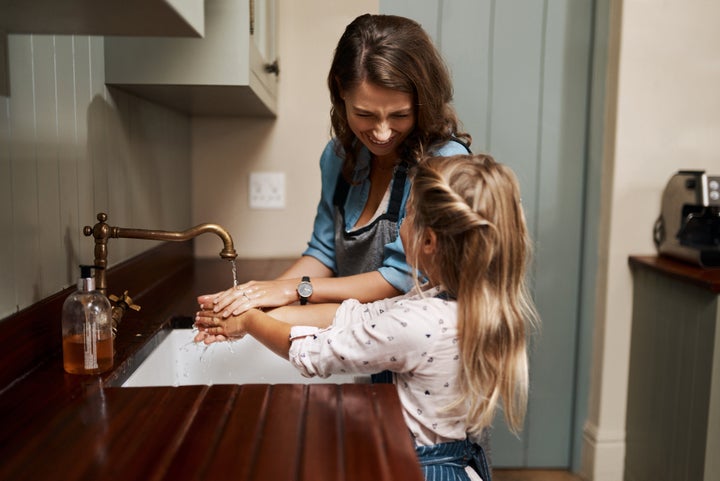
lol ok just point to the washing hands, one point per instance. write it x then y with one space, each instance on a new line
213 327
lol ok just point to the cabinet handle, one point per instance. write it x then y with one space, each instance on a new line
273 68
252 17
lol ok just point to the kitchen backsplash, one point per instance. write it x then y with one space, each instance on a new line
70 148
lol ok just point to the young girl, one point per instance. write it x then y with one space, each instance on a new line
456 343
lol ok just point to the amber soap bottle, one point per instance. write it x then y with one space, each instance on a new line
87 328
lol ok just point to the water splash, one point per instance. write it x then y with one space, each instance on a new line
204 351
206 365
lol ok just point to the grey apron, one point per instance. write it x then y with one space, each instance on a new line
362 250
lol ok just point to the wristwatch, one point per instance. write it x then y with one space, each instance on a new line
304 290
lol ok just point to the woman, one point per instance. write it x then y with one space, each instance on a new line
390 92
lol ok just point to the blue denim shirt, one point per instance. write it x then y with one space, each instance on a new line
322 242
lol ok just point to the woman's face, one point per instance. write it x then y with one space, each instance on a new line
380 117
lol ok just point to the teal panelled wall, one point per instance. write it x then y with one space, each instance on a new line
521 70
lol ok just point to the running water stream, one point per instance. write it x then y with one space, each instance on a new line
234 272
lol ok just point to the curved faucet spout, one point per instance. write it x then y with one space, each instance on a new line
228 251
102 232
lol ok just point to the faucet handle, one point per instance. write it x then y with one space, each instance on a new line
124 301
122 304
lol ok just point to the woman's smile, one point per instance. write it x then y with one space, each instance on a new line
384 142
380 117
381 147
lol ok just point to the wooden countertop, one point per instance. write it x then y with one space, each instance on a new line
705 278
249 432
60 426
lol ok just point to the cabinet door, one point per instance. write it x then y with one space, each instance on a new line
263 54
520 72
262 28
223 73
673 427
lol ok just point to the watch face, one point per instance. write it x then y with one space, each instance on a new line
305 289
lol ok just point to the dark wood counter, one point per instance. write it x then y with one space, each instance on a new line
60 426
250 432
672 427
706 278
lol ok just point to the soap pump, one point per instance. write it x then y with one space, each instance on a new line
87 328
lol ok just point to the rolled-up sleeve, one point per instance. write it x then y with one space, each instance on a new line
395 268
322 242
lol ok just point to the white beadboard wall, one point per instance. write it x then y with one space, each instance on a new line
70 148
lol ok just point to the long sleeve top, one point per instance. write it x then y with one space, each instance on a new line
415 337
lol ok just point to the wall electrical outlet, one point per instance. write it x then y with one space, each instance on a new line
267 190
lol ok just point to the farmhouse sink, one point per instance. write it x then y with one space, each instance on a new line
178 361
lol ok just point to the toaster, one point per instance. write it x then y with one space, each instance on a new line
688 227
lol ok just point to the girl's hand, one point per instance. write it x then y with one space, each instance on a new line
213 328
253 294
207 338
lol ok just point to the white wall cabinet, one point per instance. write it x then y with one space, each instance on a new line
231 71
168 18
107 17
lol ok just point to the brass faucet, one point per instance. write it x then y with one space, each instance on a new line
102 232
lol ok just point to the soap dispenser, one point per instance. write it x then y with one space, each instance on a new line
87 328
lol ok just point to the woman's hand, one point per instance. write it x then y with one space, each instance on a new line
252 294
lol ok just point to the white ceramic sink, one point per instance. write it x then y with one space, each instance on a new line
178 361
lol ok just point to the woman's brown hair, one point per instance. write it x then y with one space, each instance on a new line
396 53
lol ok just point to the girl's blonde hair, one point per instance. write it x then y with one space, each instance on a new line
472 204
